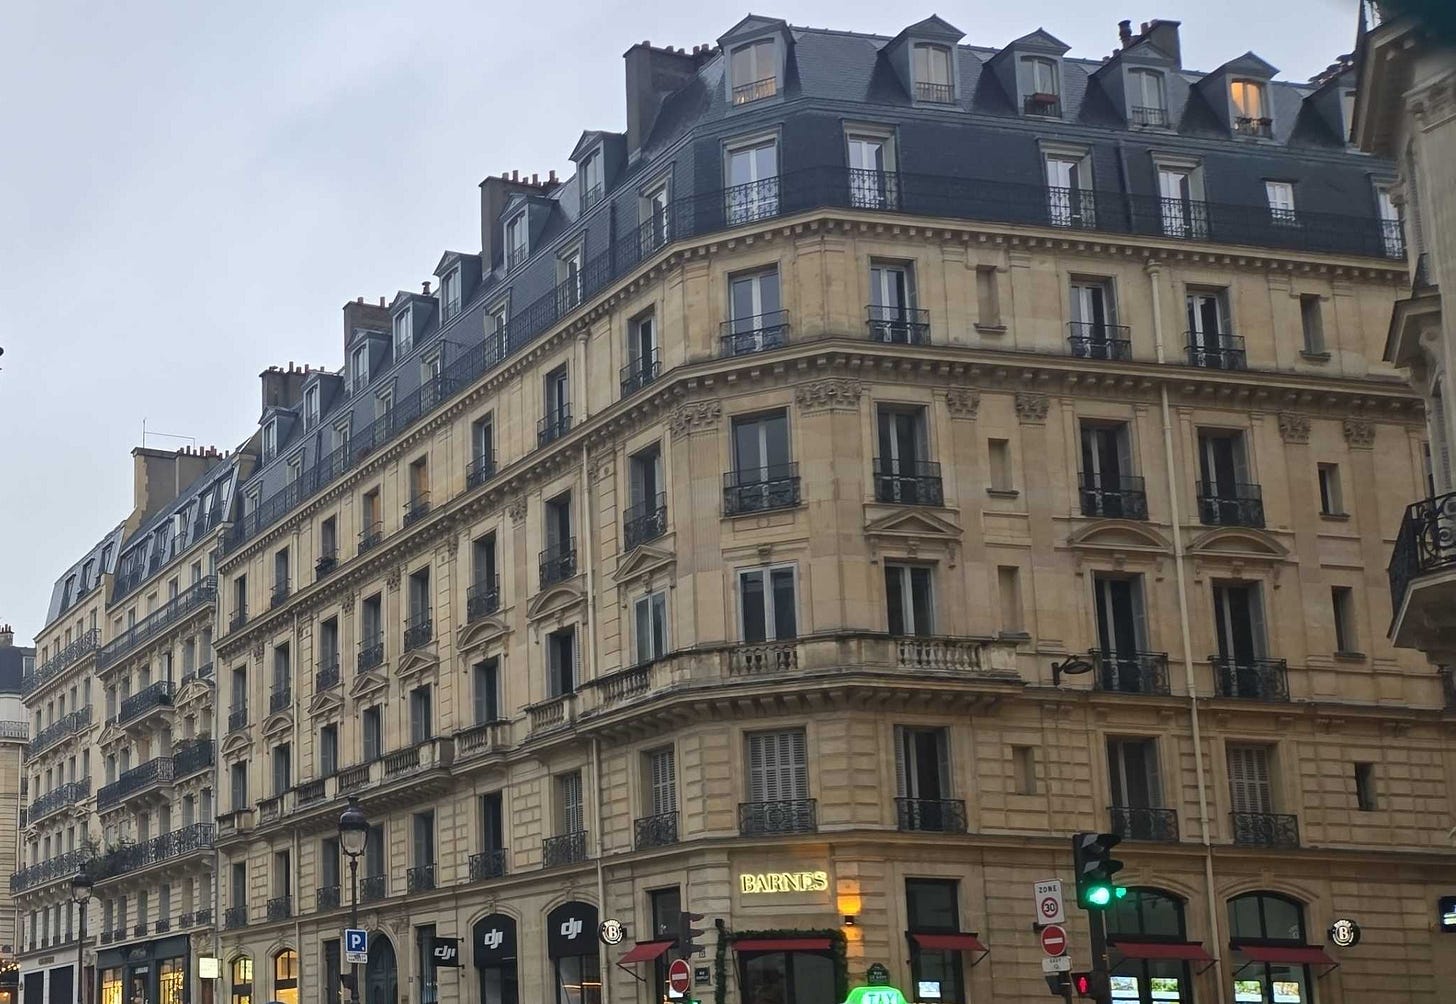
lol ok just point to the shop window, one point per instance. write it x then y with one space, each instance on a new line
794 977
571 945
1148 916
494 940
241 976
285 977
931 907
1268 919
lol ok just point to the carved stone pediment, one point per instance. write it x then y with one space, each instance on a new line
1239 542
644 562
914 532
1123 536
111 736
481 632
367 684
556 599
326 703
192 691
417 661
278 723
235 745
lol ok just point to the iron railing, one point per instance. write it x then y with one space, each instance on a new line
234 917
1247 125
1265 829
784 815
1135 822
1112 496
898 325
326 897
482 598
874 189
58 663
61 866
761 489
417 508
1230 503
157 695
280 697
655 831
325 564
480 470
192 755
558 562
1075 208
159 849
755 90
489 864
238 716
419 878
742 336
195 597
62 728
238 618
418 630
937 94
1154 116
639 373
371 651
647 520
61 796
373 887
1042 104
279 595
157 770
553 425
1217 350
1096 340
564 849
370 536
327 677
1251 679
1130 672
908 482
931 815
1425 543
280 908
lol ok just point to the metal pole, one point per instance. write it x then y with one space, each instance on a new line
1097 924
81 958
354 921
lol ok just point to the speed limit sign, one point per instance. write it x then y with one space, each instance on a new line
1047 895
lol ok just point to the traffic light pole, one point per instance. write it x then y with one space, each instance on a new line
1097 925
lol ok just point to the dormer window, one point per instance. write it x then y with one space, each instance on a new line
270 440
755 71
359 366
1347 111
311 407
1147 106
1043 89
1281 203
516 240
449 294
404 335
930 65
1251 108
591 180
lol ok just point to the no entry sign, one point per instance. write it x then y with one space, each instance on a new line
679 977
1053 940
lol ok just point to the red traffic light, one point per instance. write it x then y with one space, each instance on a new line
1082 984
1095 985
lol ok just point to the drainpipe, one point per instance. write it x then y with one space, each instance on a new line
1155 275
588 540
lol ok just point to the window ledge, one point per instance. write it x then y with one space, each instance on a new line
1337 517
1003 493
991 329
1351 656
1013 636
1314 357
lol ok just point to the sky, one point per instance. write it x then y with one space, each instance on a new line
189 192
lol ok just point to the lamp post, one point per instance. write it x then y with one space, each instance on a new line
81 895
353 837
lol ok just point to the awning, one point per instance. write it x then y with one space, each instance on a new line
1188 951
1294 955
781 945
955 941
644 951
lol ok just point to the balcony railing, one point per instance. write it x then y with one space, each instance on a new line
655 831
61 661
1217 351
1075 208
157 695
325 564
488 865
931 815
279 595
1130 672
326 897
280 698
480 470
234 917
238 716
70 793
908 482
898 325
158 850
370 536
419 630
785 815
1426 543
280 908
197 596
1132 822
1112 497
1149 116
1251 679
1245 125
755 333
761 489
417 508
62 728
420 878
373 887
565 849
639 373
157 770
937 94
1042 104
482 598
61 866
765 657
327 676
1265 829
239 618
192 755
558 562
1393 237
1230 504
755 90
647 520
553 425
1095 340
371 652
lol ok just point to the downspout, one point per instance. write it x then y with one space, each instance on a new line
588 541
1155 273
296 907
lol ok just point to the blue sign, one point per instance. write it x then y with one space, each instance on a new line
355 940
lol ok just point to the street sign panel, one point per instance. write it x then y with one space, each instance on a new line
679 977
356 945
1054 940
1048 897
1056 964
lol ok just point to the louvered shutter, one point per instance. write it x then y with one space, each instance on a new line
902 778
1249 779
799 758
664 782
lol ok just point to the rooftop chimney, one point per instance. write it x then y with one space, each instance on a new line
359 315
1164 35
652 74
1124 33
7 636
425 288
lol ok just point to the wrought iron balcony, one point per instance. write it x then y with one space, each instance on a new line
639 373
874 189
370 536
1112 497
1246 125
1096 340
239 618
61 661
1149 116
1130 672
755 91
1265 829
62 866
325 564
373 887
1042 104
1230 503
1393 238
371 651
1217 351
489 864
1251 679
761 489
1071 207
279 595
558 562
482 598
418 630
417 508
197 596
655 831
420 878
62 728
1425 544
70 793
1133 822
158 850
280 908
162 926
785 815
139 930
238 716
553 425
755 333
204 916
327 676
326 897
192 755
898 325
565 849
157 695
280 698
234 917
647 520
936 94
908 482
156 771
480 470
931 815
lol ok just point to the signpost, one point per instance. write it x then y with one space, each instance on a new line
1054 940
1048 898
356 946
679 977
1056 964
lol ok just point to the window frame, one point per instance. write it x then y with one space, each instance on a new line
516 253
771 633
737 95
658 639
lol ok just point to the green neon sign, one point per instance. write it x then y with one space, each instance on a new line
875 995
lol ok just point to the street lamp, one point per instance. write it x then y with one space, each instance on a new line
81 895
353 837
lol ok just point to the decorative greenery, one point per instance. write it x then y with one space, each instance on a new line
837 946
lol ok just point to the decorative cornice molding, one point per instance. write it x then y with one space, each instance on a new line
1360 433
839 393
1293 428
1031 409
699 416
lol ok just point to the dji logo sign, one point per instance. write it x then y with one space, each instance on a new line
570 928
493 938
446 952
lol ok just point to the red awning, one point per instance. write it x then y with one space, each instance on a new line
644 951
1300 955
1192 951
781 945
950 942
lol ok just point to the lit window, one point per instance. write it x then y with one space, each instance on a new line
755 71
1281 202
1251 110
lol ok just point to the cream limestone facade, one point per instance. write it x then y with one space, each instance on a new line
561 746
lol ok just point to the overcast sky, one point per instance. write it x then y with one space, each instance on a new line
190 191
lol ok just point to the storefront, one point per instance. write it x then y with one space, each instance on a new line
154 972
494 941
571 946
49 984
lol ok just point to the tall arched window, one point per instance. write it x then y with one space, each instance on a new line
1148 937
1264 924
241 976
285 977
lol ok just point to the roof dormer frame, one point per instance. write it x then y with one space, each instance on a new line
1245 95
1019 68
757 47
910 56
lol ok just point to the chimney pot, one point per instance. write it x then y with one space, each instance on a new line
1124 33
552 176
515 175
381 301
360 300
425 288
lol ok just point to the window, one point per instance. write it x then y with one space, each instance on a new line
1250 790
516 240
1281 202
495 333
285 977
778 769
654 212
1251 110
376 853
328 755
568 280
1312 324
1180 188
482 450
763 477
242 979
1122 637
1211 342
424 839
449 294
646 517
922 781
569 815
557 398
660 774
1008 587
1342 599
1149 915
282 769
421 715
931 69
1266 918
1227 496
329 539
486 691
872 180
649 617
1023 770
403 332
1365 787
767 604
756 320
591 180
904 473
270 450
1040 86
420 624
558 562
908 603
1070 199
1137 790
561 661
999 459
755 71
752 183
484 594
1331 503
1109 489
1095 333
492 822
373 733
238 784
1238 614
1392 235
931 907
359 365
892 313
1145 99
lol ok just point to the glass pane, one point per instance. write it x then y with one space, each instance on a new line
785 626
750 590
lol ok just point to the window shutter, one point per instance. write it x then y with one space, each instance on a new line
1139 613
664 782
1154 774
1249 779
901 771
1257 626
798 745
757 768
942 749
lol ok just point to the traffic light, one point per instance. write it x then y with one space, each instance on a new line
688 935
1095 985
1094 866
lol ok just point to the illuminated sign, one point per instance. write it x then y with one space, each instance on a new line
769 882
208 967
875 995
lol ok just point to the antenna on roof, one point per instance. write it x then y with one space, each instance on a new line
164 435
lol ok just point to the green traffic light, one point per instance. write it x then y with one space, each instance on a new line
1099 895
1121 892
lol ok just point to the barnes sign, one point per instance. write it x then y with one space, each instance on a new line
771 882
